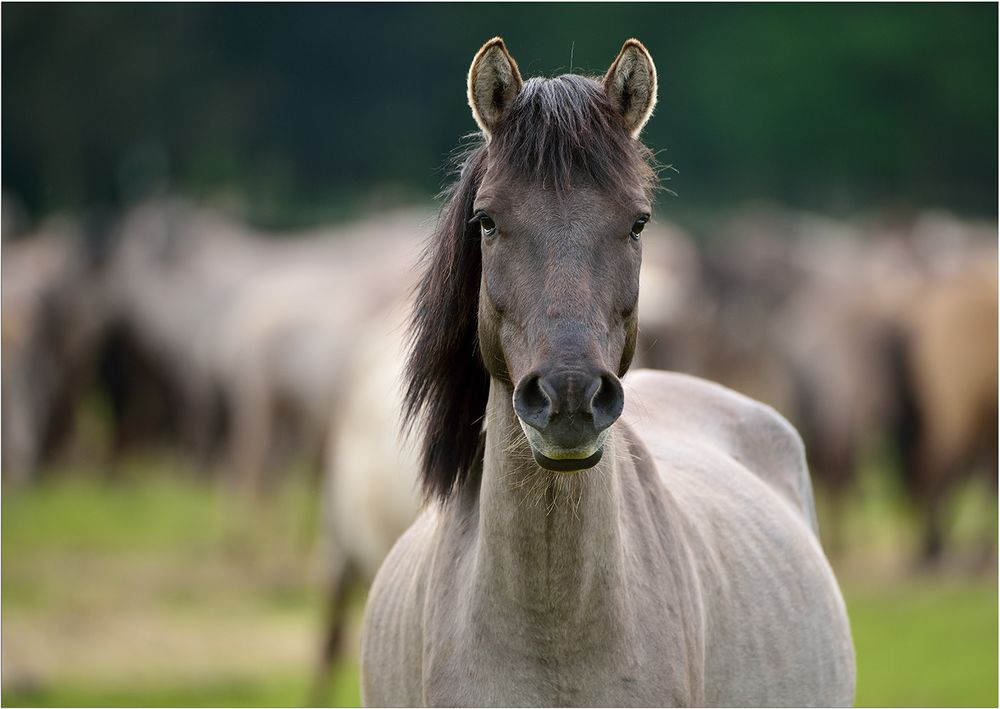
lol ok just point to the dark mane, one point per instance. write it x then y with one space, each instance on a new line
446 384
558 133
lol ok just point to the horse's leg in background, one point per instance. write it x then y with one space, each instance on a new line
202 414
303 435
216 437
251 434
120 375
333 636
932 544
340 580
988 552
835 469
944 462
989 465
919 458
832 530
20 435
323 444
932 476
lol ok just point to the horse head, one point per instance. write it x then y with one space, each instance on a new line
536 264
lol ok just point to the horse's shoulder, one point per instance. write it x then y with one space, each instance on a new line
672 405
409 553
392 636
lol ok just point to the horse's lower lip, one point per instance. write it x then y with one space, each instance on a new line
568 465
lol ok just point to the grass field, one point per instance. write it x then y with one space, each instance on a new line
160 589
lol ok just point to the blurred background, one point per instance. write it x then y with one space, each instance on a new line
211 216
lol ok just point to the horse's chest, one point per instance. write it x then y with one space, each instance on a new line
515 663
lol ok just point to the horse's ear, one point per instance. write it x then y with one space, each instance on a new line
631 85
494 82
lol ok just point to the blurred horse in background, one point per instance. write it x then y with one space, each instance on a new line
230 344
174 275
242 336
53 319
295 333
948 368
202 335
371 478
817 318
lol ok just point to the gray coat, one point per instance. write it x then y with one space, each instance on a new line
684 569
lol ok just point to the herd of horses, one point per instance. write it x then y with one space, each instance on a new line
575 535
196 333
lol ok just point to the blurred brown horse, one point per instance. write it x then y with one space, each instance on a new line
948 368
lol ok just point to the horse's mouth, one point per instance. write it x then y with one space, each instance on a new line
567 465
564 460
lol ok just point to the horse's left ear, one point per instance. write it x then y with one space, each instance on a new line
494 82
631 85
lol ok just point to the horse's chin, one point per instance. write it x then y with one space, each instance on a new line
567 465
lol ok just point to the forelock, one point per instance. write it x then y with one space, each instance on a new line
563 132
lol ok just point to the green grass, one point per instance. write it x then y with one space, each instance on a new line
223 692
176 571
156 514
160 589
273 691
926 643
148 505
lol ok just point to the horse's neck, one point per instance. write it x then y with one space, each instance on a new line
549 544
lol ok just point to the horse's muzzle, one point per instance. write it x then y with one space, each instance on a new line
565 415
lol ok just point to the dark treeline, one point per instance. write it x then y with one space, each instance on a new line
302 110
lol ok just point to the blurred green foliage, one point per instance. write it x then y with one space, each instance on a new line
302 109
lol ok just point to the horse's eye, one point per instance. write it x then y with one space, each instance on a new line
637 228
487 225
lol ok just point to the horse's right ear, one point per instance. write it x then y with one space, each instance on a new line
494 82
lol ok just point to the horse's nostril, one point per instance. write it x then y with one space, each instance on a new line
532 403
608 402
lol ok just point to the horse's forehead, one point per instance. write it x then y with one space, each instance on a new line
534 202
566 225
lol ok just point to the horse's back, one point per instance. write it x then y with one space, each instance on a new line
664 406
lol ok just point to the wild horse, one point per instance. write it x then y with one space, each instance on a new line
575 548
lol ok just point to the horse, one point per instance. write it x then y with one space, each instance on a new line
586 540
53 316
371 478
947 366
240 335
32 269
292 334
